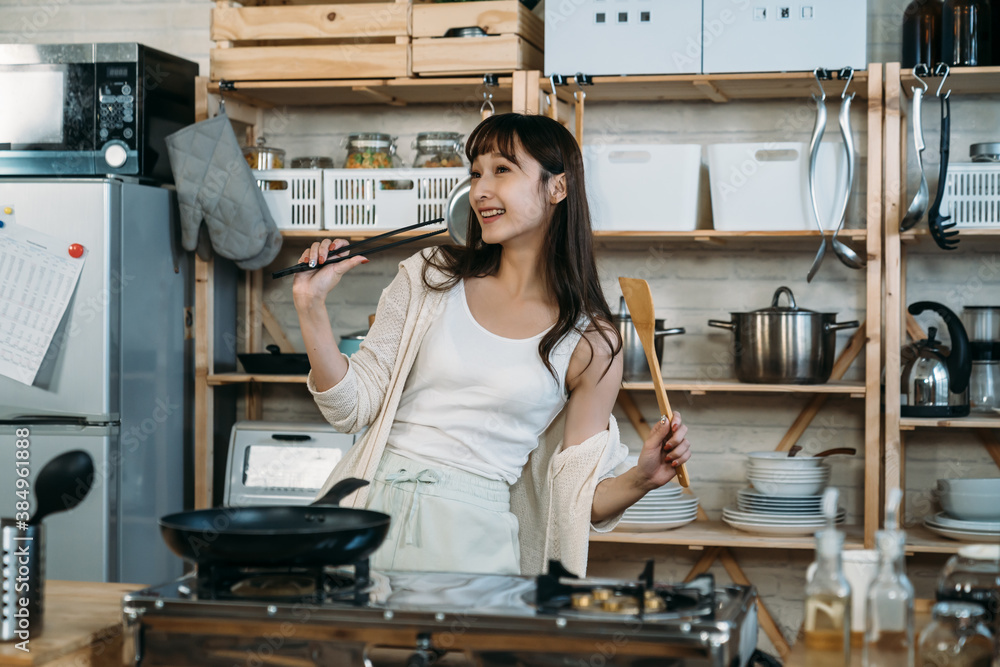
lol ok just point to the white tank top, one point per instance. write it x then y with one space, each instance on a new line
477 401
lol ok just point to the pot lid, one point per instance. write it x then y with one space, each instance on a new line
790 308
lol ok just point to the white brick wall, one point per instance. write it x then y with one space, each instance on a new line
691 283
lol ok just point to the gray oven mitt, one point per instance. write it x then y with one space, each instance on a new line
215 185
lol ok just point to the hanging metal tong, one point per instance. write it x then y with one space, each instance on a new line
844 253
915 212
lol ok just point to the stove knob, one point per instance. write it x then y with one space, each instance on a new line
115 155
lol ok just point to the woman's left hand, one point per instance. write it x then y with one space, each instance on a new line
664 451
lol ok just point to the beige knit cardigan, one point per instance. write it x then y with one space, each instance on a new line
553 497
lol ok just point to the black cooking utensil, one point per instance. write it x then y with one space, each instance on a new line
946 240
332 257
62 484
309 536
275 362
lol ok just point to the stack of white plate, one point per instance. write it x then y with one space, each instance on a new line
778 515
775 474
986 532
660 509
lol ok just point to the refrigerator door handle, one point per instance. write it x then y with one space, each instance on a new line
46 420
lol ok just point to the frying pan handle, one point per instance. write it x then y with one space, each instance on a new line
853 324
719 324
340 490
669 332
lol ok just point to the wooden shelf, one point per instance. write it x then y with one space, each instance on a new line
984 421
707 87
706 235
467 90
719 534
218 379
922 541
961 81
696 387
920 236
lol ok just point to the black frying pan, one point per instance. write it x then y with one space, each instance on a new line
313 535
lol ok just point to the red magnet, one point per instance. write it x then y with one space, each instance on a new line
75 250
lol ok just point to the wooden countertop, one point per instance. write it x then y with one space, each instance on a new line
803 657
83 627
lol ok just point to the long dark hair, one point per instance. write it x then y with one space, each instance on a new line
570 273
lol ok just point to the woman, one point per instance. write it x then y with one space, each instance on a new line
488 378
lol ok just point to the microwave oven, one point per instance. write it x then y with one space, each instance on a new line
88 109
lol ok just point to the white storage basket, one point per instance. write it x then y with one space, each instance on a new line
386 198
643 187
294 196
972 194
765 186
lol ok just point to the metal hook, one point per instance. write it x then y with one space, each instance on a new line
942 70
917 71
820 74
581 80
489 80
850 77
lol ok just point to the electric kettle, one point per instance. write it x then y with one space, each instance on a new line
935 380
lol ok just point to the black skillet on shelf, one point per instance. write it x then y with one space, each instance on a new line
305 536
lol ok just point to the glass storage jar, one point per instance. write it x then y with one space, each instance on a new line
985 152
966 27
439 149
312 162
264 157
973 575
371 150
956 637
922 33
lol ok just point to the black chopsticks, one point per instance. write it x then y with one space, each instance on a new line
332 258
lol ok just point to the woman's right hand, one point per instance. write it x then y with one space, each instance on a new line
310 287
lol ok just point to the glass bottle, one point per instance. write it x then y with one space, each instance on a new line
922 33
966 29
827 625
956 637
889 610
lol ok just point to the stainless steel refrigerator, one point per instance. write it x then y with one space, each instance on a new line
117 379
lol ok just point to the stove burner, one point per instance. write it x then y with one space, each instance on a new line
274 586
561 592
291 584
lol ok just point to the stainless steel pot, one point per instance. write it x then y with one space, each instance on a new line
784 345
636 368
458 211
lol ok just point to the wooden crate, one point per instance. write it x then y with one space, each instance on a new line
310 41
515 38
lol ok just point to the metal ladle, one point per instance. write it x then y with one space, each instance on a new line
845 253
918 206
814 146
62 484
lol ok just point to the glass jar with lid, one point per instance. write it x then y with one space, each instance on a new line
985 152
371 150
973 575
312 162
438 149
956 637
262 157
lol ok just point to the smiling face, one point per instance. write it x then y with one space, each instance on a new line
509 197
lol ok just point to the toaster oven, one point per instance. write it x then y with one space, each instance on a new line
280 463
88 109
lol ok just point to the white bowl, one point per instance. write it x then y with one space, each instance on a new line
772 488
797 476
780 461
971 506
987 486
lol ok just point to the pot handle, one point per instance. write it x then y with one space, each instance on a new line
777 295
669 332
340 490
837 326
719 324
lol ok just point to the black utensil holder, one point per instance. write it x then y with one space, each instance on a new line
23 579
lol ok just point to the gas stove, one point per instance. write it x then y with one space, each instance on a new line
351 615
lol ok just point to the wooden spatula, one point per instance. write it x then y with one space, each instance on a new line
639 300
